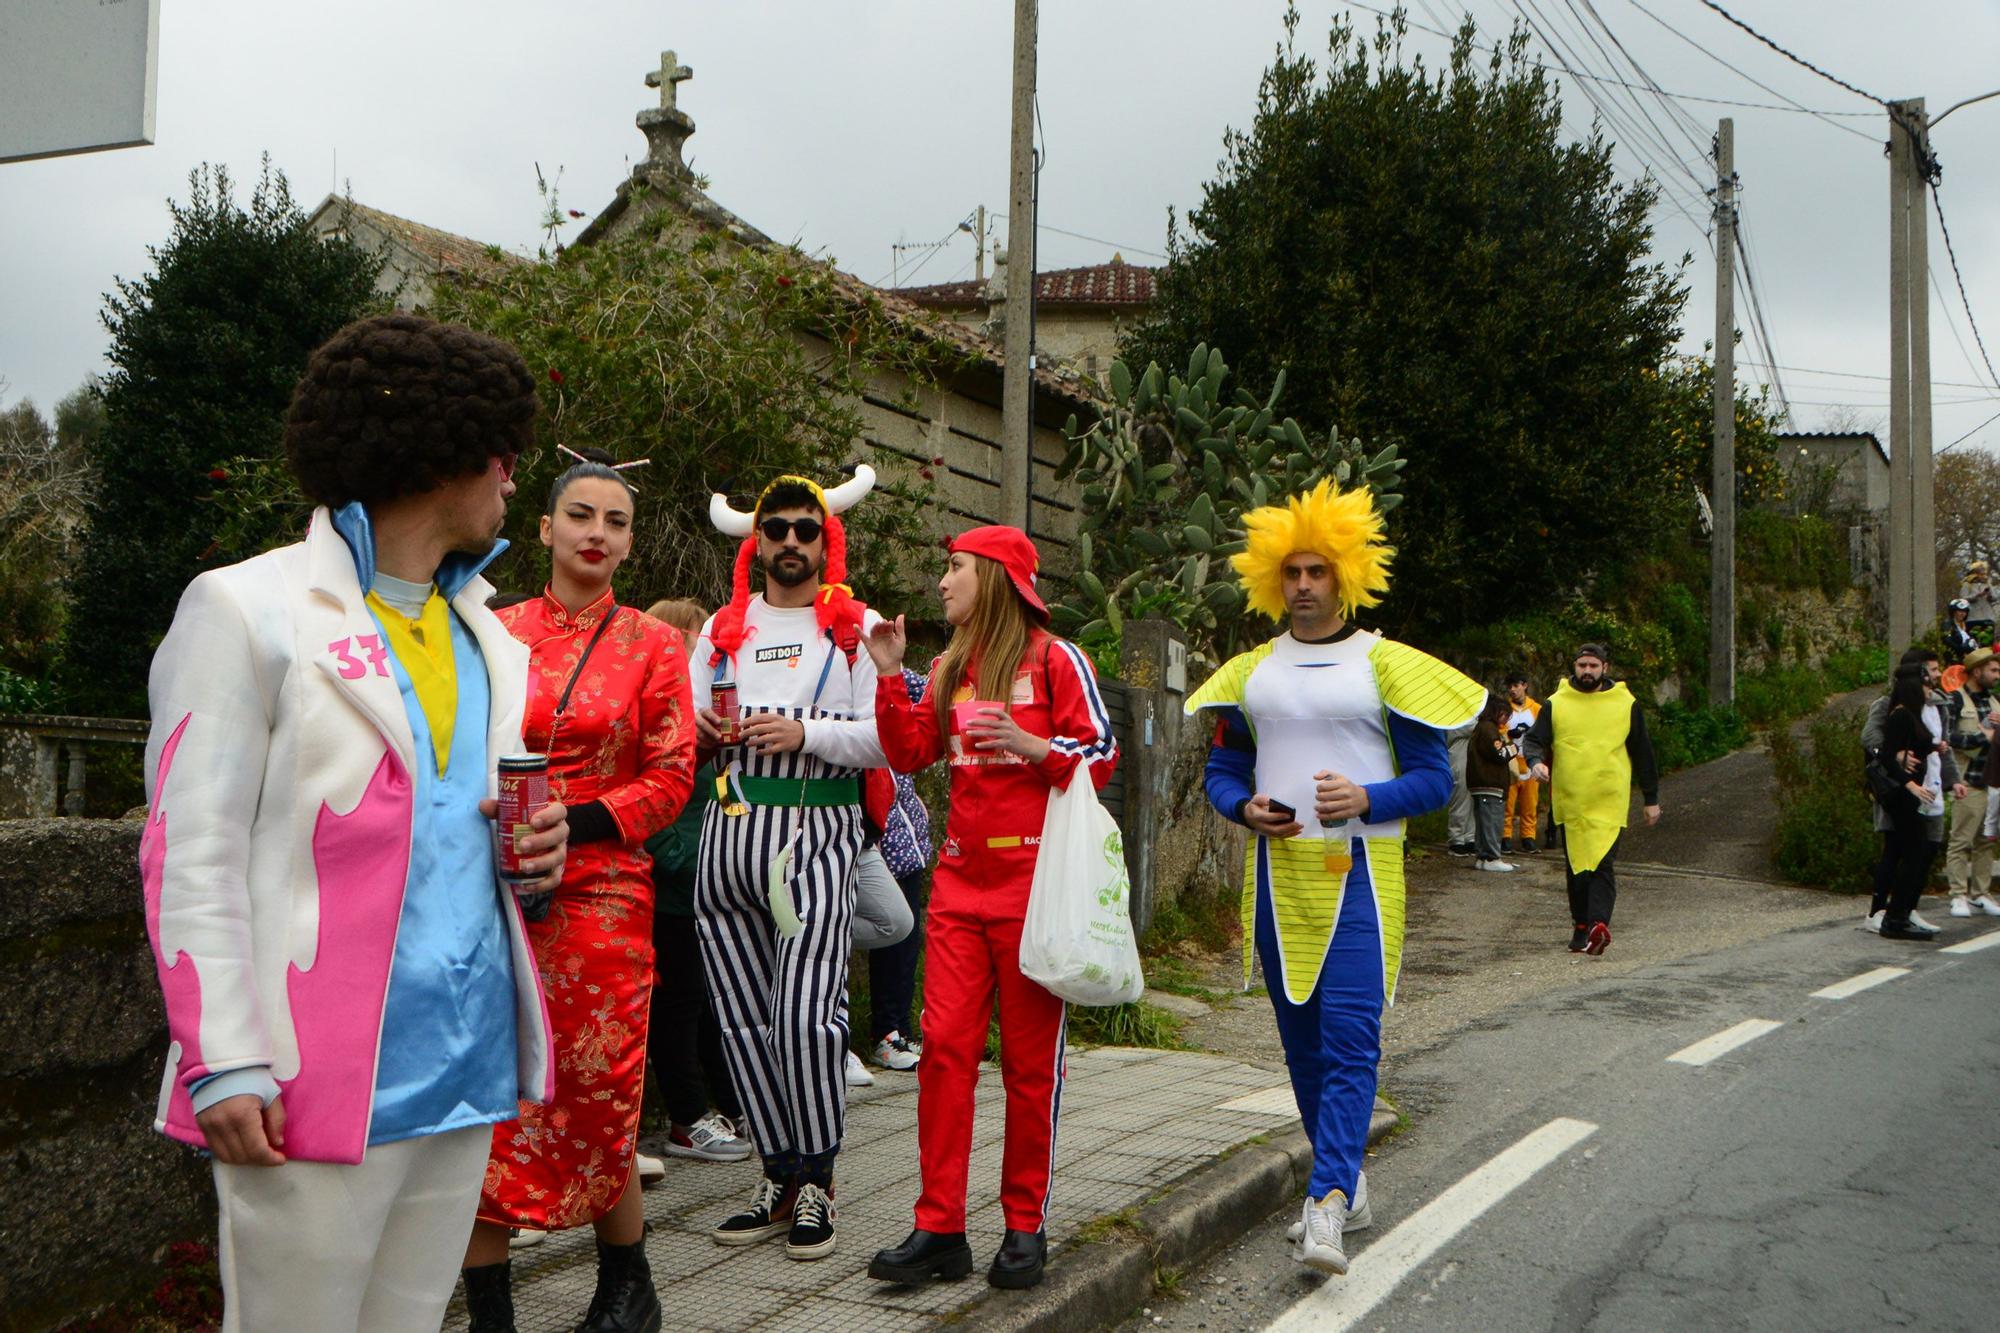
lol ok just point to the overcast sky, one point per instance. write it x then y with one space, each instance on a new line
850 126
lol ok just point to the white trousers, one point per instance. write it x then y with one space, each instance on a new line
374 1248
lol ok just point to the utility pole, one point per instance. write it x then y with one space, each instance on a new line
1912 502
1017 424
979 237
1722 473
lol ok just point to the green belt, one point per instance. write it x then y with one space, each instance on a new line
785 791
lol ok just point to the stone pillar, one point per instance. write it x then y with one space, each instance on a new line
42 784
72 801
1153 665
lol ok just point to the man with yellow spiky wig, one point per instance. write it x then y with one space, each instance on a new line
1329 737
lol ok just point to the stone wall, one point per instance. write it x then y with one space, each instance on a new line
93 1195
1776 626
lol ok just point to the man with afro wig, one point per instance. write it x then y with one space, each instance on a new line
1329 737
349 991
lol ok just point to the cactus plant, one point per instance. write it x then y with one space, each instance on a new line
1165 476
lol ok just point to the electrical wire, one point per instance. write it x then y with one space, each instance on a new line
1969 434
1795 58
1965 300
1096 240
1794 104
1964 352
1757 309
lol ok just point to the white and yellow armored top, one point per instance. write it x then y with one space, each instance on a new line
1313 707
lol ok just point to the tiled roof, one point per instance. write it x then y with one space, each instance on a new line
450 252
1116 284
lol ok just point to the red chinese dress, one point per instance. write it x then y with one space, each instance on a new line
626 741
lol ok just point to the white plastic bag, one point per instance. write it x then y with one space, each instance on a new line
1077 940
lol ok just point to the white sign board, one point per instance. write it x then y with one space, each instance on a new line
76 76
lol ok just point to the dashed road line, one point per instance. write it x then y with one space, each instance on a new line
1975 944
1722 1043
1382 1266
1840 990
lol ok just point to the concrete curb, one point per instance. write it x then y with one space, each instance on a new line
1094 1285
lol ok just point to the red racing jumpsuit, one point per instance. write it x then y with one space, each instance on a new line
979 898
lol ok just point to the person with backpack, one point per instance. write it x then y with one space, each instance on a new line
785 704
1016 713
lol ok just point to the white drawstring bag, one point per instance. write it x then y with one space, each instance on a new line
1077 941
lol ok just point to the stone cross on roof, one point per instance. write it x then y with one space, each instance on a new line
668 78
666 126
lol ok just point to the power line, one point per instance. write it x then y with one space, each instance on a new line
1795 104
1098 240
1960 278
1974 431
1757 311
1795 58
1944 305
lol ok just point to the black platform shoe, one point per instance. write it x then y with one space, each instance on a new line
625 1301
925 1255
489 1297
1020 1260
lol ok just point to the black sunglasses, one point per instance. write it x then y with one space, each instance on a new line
774 529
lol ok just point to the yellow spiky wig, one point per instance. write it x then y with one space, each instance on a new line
1343 526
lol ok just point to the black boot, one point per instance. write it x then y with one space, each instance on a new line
925 1255
1019 1262
625 1301
489 1297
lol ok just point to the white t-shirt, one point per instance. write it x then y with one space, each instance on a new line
1933 766
778 668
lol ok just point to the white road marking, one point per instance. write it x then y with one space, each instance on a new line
1377 1272
1975 944
1271 1101
1840 990
1722 1043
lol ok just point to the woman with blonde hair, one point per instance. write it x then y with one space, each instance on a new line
1016 712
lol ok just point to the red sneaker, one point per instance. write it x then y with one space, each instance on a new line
1600 935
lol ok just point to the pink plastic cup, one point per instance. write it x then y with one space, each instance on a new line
962 714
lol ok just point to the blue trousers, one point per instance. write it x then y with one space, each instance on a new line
1333 1042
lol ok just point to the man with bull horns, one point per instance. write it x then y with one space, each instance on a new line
785 704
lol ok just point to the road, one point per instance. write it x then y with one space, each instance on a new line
1839 1169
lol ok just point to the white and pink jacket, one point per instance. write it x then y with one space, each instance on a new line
277 842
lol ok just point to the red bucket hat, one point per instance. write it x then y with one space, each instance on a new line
1013 551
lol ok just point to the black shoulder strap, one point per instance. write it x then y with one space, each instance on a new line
562 704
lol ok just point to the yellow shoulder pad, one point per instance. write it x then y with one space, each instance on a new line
1225 688
1424 689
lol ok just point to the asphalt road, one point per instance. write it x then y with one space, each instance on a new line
1839 1170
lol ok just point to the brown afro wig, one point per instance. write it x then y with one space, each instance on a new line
398 405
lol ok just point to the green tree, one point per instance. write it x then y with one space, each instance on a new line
44 488
1438 269
205 351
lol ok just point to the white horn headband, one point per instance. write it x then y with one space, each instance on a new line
733 522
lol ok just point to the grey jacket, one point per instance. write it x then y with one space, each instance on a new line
1871 741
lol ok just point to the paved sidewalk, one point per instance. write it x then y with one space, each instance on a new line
1133 1121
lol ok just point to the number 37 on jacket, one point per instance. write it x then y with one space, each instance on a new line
352 667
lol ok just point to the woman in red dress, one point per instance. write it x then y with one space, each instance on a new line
608 703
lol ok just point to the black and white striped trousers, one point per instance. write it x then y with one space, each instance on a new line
782 1003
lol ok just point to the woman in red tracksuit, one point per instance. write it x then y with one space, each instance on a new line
1015 710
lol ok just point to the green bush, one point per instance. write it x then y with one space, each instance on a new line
20 694
1826 832
1684 736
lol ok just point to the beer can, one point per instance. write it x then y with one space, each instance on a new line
523 789
722 702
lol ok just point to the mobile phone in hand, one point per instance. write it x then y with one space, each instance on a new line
1281 809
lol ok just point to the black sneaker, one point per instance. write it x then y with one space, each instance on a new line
1907 930
1579 939
811 1235
1528 846
1460 848
1506 846
769 1214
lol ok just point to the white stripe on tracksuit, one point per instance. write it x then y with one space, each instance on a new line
782 1003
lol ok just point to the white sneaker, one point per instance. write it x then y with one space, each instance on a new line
650 1169
1501 867
1359 1218
1960 906
892 1052
1984 902
1872 923
1917 920
1319 1234
520 1238
857 1073
713 1138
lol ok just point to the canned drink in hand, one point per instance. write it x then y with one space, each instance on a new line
523 788
728 714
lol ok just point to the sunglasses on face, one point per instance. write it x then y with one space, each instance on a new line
774 529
